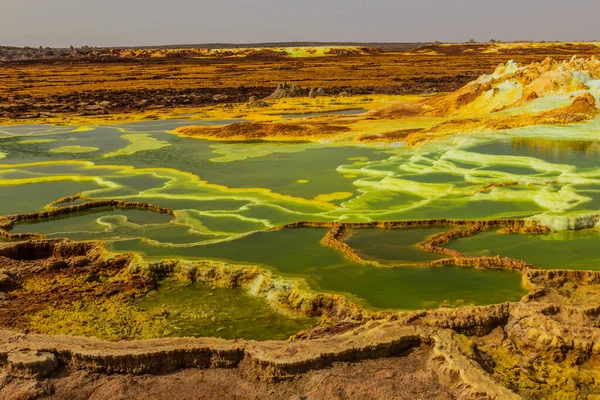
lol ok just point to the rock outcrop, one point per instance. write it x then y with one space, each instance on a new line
31 363
475 107
316 92
286 90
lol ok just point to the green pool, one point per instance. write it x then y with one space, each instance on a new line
227 195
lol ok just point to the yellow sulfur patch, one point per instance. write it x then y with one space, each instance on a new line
74 149
36 141
333 196
139 142
358 159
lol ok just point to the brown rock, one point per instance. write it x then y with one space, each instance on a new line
316 92
94 107
220 97
253 102
285 90
32 363
7 283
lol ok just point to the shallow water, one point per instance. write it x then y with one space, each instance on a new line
198 310
224 191
558 250
392 245
276 183
298 253
415 288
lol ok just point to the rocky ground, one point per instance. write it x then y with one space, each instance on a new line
132 81
400 377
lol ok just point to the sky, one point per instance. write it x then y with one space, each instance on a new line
62 23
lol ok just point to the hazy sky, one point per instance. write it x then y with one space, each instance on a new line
61 23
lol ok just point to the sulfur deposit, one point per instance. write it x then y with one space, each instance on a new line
513 96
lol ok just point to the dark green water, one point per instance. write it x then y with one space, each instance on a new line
392 245
416 288
298 253
560 250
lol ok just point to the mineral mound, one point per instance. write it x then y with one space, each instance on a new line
285 90
272 131
512 86
513 96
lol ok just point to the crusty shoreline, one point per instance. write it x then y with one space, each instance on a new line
551 325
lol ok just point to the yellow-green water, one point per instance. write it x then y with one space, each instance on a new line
227 193
199 310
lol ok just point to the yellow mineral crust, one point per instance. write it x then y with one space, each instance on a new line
513 96
271 131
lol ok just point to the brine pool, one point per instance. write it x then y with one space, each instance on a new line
227 194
